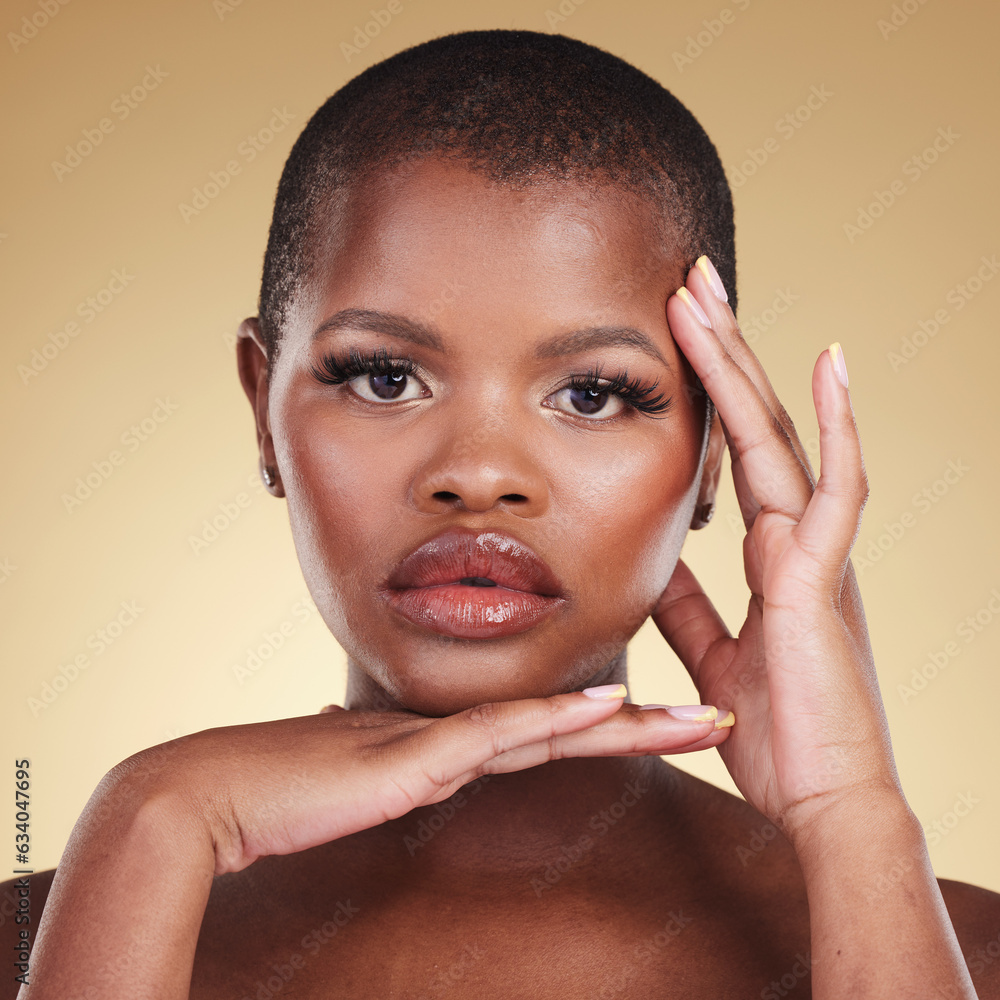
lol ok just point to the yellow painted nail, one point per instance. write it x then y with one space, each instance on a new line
724 722
707 268
839 366
694 306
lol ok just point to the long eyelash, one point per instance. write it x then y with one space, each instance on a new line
631 390
333 370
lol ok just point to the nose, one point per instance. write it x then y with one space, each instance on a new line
480 468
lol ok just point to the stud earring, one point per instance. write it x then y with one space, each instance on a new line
267 474
702 515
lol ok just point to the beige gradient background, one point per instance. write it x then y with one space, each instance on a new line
168 336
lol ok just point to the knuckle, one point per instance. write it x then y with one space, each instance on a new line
484 716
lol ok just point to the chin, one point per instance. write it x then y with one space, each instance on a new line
453 675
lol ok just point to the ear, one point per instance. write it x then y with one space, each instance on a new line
711 470
251 359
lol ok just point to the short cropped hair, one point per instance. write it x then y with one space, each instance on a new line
519 106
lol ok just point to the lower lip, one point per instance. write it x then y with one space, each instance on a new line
472 612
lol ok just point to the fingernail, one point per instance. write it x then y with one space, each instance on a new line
693 713
653 706
606 692
837 357
725 719
692 303
707 268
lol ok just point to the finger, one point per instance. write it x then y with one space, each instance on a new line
454 750
628 733
749 507
830 525
330 708
689 622
773 470
712 740
702 282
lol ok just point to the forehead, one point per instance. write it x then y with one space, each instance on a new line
431 234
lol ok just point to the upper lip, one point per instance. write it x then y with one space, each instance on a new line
460 552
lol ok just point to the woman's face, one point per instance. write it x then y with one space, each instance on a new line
499 298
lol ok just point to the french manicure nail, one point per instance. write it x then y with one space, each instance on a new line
692 303
606 692
725 719
694 713
707 268
839 367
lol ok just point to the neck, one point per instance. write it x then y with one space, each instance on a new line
533 821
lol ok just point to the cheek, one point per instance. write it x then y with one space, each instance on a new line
635 510
340 494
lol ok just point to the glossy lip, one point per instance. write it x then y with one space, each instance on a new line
425 589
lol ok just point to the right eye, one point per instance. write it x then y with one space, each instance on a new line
379 387
375 377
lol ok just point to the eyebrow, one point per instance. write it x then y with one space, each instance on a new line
572 342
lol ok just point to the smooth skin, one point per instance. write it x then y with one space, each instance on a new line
573 861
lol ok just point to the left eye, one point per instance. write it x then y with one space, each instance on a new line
376 387
591 401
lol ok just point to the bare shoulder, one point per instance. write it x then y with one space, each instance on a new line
21 902
975 915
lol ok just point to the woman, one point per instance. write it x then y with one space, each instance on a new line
494 373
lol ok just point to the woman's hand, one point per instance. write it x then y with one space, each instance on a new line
811 729
163 823
285 786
